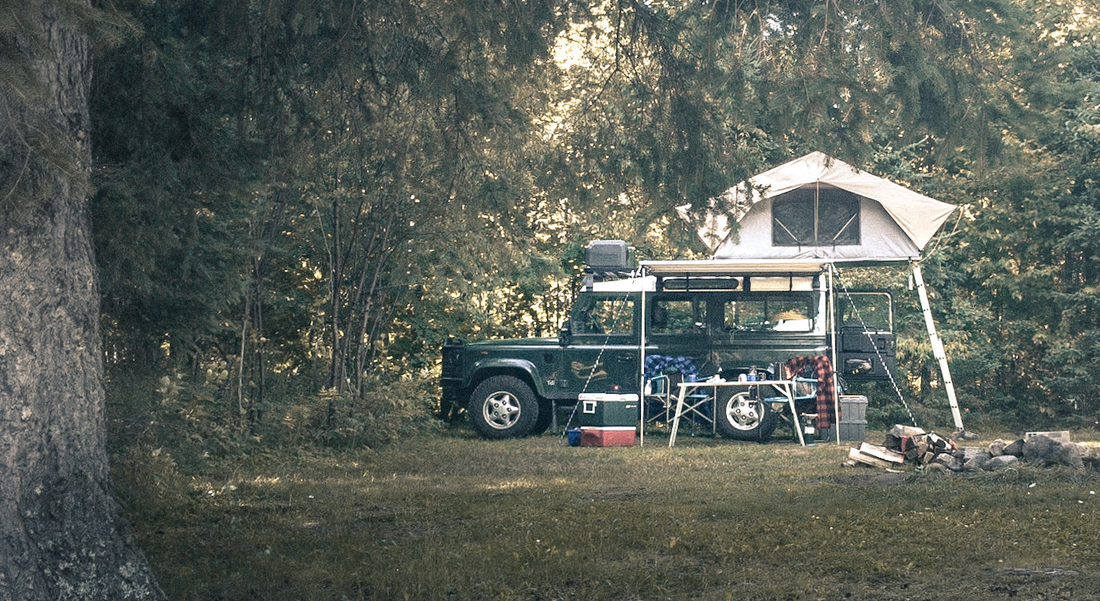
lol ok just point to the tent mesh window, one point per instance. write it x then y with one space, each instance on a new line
815 216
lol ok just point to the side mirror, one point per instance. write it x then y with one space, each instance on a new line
565 335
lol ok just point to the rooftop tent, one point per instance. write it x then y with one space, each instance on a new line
818 207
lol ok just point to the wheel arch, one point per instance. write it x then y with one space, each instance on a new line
518 368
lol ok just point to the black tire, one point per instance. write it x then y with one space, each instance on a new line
742 417
503 407
546 417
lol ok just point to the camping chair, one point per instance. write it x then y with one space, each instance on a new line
658 398
662 394
698 405
805 402
662 391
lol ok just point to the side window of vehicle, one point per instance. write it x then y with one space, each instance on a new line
679 316
789 316
773 314
745 315
870 311
605 316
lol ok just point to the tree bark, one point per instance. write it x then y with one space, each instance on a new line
62 532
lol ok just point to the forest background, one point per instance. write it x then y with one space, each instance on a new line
296 203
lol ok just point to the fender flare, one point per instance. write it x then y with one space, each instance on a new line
523 368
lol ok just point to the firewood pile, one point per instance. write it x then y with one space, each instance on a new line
914 447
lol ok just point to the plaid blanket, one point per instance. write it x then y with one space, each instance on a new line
827 413
658 364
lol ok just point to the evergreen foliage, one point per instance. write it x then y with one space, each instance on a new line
297 203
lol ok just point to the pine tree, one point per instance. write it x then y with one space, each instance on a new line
61 528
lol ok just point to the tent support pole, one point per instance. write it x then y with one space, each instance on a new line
937 347
836 384
641 366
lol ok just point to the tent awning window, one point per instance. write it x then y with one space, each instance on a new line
815 216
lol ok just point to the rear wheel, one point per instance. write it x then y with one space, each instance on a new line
503 407
742 417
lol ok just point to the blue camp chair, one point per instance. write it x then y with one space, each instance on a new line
663 375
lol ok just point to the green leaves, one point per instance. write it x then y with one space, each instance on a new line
332 188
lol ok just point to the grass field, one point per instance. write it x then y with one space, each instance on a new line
455 517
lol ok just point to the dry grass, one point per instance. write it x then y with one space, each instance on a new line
455 517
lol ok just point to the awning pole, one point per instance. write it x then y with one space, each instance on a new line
641 366
836 323
937 347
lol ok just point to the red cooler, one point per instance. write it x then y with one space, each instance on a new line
607 436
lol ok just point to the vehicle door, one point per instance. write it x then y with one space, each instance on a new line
601 352
866 336
678 327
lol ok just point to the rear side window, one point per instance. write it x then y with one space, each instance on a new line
786 314
868 311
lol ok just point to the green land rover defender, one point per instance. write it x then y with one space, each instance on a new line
713 318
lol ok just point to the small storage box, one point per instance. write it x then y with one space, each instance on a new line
607 410
608 255
848 431
853 408
853 420
611 436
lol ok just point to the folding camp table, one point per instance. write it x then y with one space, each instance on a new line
786 387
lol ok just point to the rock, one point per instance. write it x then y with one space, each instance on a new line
1015 448
936 468
1000 462
975 464
968 453
1090 457
1045 452
964 435
949 461
997 447
973 458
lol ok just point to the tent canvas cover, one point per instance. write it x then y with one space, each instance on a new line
819 207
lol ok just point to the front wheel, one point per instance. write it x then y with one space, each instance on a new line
742 417
546 417
503 407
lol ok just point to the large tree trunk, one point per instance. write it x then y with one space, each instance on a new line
62 533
